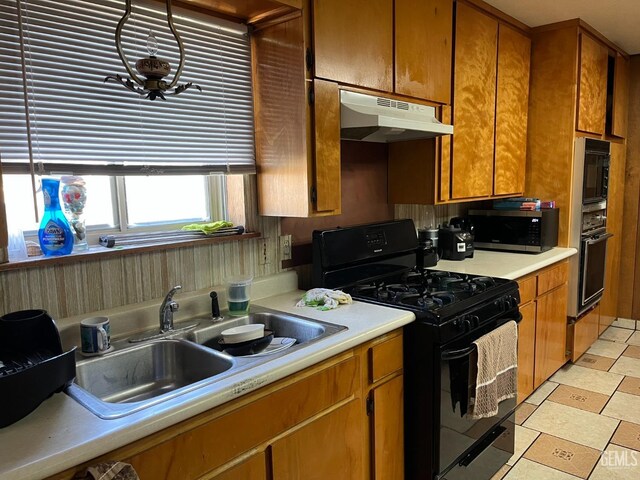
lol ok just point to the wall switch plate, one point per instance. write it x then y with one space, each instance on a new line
285 247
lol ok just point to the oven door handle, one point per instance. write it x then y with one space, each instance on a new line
448 355
598 239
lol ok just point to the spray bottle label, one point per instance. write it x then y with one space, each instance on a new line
53 236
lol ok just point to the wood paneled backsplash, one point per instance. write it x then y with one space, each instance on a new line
424 215
77 288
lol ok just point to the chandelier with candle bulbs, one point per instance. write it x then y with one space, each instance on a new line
152 68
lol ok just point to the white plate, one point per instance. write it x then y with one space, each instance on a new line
277 344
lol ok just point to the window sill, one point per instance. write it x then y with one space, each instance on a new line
99 253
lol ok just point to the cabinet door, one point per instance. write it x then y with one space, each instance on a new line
254 468
551 334
474 100
388 431
592 91
423 31
327 146
353 42
526 350
620 96
328 447
512 106
585 332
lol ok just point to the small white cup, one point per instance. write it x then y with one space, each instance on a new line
95 335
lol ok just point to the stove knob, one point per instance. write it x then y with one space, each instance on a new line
475 321
466 325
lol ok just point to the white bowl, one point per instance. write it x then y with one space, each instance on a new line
243 333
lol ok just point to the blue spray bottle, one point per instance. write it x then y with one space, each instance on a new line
55 235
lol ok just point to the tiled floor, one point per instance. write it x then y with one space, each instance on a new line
584 422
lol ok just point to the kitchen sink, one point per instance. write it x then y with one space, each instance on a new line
283 325
136 376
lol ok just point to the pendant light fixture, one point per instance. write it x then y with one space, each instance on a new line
152 68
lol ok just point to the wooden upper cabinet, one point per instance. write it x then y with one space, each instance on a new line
353 42
474 96
512 105
620 96
592 91
423 31
327 145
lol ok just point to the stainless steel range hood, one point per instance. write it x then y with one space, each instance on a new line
377 119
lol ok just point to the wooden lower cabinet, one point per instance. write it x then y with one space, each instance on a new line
327 447
542 331
316 424
585 332
551 334
526 350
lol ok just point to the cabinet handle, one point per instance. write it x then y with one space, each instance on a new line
369 405
309 59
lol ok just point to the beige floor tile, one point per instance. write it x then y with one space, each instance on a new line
572 424
617 463
524 438
623 406
541 393
596 362
501 473
528 470
616 334
630 385
627 435
624 323
605 348
634 339
563 455
627 366
632 351
523 411
579 398
577 376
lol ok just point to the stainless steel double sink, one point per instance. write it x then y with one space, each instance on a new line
138 376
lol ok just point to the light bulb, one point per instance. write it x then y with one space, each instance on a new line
152 44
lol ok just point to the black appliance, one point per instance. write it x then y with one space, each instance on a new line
427 252
375 264
596 170
33 365
515 230
455 241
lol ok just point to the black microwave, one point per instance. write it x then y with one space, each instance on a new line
515 230
596 171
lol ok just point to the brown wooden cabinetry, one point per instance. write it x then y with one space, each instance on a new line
620 107
362 43
353 42
341 418
297 123
592 86
585 332
543 329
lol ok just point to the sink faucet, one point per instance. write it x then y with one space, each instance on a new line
166 310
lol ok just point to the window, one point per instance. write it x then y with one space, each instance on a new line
57 114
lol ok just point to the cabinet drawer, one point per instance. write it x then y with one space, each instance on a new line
552 277
385 358
585 332
527 287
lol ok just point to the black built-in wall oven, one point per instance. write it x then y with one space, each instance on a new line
376 263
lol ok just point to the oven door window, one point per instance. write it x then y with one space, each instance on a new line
595 177
594 253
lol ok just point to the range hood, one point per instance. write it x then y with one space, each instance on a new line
377 119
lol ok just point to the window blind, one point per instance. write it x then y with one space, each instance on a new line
80 124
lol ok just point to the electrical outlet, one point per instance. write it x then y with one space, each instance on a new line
264 252
285 247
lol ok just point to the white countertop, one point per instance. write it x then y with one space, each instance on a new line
505 264
61 433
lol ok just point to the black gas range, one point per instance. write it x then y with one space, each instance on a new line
376 263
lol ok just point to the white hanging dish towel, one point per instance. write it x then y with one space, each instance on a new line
497 377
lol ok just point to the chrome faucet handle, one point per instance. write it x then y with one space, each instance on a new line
166 310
